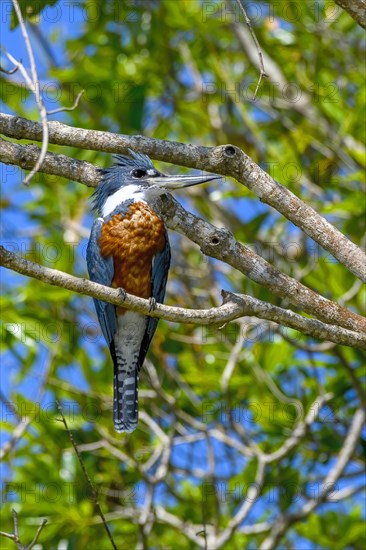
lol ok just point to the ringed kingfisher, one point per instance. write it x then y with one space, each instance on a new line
129 249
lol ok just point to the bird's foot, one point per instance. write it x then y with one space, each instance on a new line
123 293
152 304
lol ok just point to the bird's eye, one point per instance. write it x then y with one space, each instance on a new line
138 173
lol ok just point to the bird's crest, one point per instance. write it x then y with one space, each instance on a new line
134 160
113 176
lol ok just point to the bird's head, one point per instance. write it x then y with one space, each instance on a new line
135 178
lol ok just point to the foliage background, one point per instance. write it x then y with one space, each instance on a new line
178 70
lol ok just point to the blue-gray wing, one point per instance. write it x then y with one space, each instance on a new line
101 270
160 269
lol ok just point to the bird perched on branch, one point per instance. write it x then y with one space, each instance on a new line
129 249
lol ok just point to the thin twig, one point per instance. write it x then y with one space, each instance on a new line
22 70
232 362
34 541
11 71
281 524
244 508
62 109
86 475
356 381
300 430
38 96
263 73
25 421
16 527
7 535
15 536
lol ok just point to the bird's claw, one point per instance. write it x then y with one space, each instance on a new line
123 293
152 304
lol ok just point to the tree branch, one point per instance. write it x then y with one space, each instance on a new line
24 156
234 306
283 523
259 51
72 108
221 244
244 509
86 475
15 536
356 9
218 243
226 160
25 421
300 430
33 84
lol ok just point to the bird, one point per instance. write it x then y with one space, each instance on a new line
129 249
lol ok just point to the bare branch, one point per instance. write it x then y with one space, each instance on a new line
356 9
220 244
244 509
283 523
25 421
7 535
12 71
24 156
16 525
62 109
15 536
17 434
39 530
214 242
231 363
260 55
234 306
36 90
188 529
86 475
255 529
19 65
226 160
300 430
356 382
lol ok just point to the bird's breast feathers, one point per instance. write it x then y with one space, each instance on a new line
132 239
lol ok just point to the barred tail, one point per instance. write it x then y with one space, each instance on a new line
126 350
125 398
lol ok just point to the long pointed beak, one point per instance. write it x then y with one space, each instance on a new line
177 182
